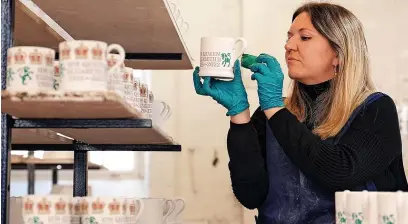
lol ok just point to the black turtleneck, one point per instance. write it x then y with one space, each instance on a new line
370 150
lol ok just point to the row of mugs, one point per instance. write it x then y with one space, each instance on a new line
83 66
371 207
58 209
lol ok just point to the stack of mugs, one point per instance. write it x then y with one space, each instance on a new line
59 209
84 67
371 207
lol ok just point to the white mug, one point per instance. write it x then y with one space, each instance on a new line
30 69
84 65
387 207
341 205
154 210
218 55
357 203
402 207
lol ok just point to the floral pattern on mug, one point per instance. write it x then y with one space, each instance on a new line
341 217
357 218
388 219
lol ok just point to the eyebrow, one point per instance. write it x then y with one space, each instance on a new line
301 29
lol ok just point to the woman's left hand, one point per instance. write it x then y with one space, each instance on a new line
269 75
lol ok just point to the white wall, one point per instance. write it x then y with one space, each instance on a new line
200 125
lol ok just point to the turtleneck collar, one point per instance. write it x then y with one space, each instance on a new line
313 91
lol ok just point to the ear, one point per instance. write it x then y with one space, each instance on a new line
335 61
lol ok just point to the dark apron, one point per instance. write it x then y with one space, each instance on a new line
292 198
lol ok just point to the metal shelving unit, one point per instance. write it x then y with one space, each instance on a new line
80 165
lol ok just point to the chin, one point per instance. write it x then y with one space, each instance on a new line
295 75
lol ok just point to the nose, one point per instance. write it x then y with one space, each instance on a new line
291 44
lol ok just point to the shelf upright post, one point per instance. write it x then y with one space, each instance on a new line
7 25
80 169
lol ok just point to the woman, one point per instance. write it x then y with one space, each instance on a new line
333 132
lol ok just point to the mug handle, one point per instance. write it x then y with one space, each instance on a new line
239 52
166 112
140 209
121 52
171 209
183 204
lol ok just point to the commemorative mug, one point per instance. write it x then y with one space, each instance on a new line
85 65
218 54
30 69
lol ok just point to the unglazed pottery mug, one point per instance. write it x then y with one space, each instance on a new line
85 65
154 210
30 69
218 54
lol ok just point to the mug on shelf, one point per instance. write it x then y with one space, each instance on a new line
30 70
85 65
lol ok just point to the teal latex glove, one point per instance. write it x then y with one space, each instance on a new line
230 94
269 75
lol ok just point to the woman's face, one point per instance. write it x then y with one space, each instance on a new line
309 56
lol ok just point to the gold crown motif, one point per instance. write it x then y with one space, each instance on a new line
49 59
60 206
65 52
57 70
97 52
29 206
81 207
20 57
35 57
132 208
98 206
81 51
114 207
43 206
125 76
143 90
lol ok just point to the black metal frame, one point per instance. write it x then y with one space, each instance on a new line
80 166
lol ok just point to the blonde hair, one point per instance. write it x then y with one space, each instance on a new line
352 83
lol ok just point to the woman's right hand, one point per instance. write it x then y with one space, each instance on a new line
230 94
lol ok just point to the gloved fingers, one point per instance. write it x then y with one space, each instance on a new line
237 69
198 86
270 61
260 68
256 76
207 86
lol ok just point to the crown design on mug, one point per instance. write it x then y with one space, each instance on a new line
81 207
29 206
143 90
97 52
81 51
132 208
43 206
60 206
20 57
65 52
151 97
49 59
114 207
35 57
98 206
